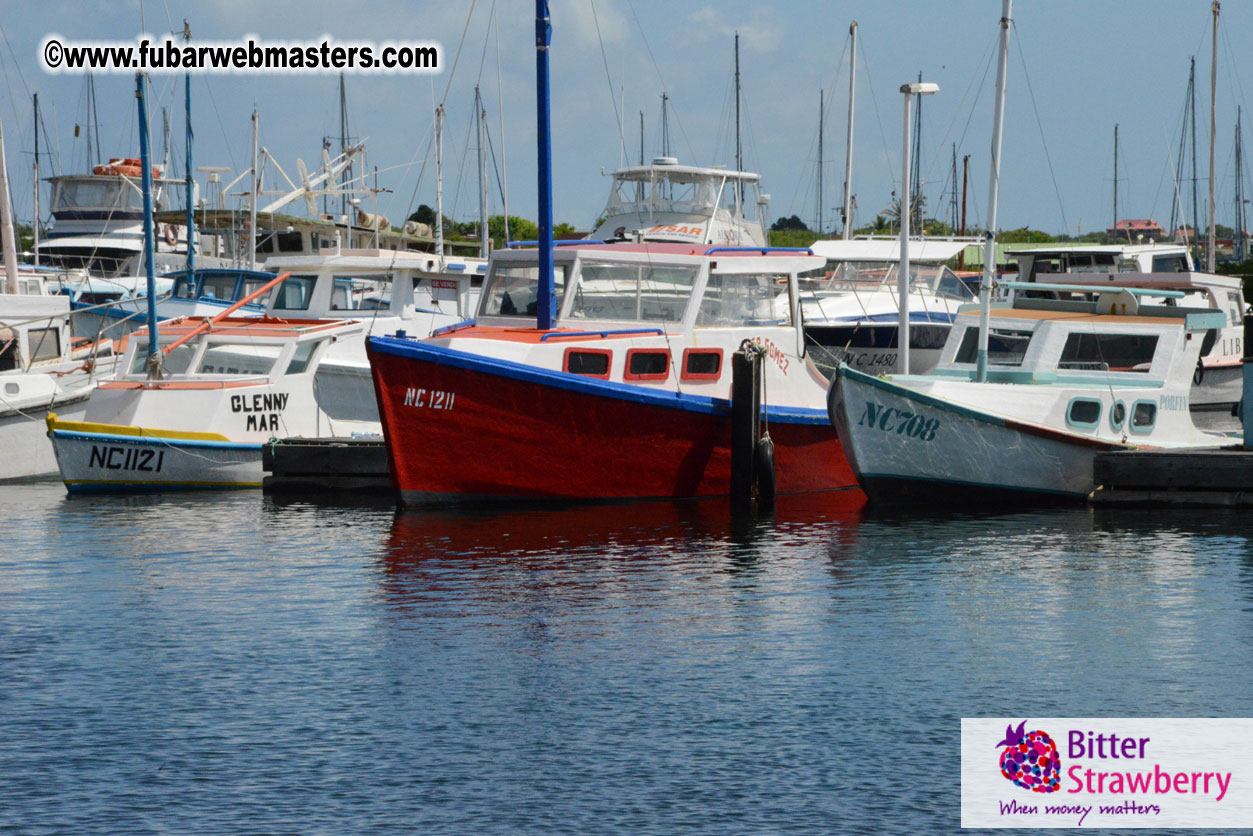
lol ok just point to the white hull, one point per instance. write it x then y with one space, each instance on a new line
24 438
905 445
105 462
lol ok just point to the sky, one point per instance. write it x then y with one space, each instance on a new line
1077 68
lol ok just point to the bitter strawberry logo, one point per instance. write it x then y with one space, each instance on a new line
1030 759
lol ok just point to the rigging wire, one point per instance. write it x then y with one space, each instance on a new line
608 78
1022 58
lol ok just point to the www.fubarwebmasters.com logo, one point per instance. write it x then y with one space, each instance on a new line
1030 759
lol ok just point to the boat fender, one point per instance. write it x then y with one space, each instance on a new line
1211 337
171 235
1199 374
765 472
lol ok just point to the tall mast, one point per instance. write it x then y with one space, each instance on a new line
1239 236
35 223
1213 89
545 303
1116 179
346 177
639 186
994 193
953 199
739 145
439 184
190 180
665 127
154 352
165 142
7 237
480 115
820 108
256 195
847 211
1196 218
915 185
961 259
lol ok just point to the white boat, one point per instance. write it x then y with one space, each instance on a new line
668 202
1065 380
1217 382
389 291
851 307
226 387
42 369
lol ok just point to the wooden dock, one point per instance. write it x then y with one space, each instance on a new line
326 465
1215 477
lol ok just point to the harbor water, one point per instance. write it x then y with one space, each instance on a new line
226 663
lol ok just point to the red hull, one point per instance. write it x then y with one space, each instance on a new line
510 437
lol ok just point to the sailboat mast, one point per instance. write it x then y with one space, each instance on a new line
820 109
439 185
190 180
1213 89
154 351
480 115
256 195
994 193
35 223
1239 236
1116 177
739 145
1196 218
545 303
346 177
848 142
7 237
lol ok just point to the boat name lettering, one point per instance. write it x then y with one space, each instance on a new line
908 424
429 398
443 284
674 229
273 402
125 458
774 353
1174 403
865 360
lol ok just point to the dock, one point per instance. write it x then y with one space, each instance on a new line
1211 477
326 465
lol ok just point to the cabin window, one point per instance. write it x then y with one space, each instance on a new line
702 364
1235 307
8 350
756 299
218 286
45 344
1143 416
238 359
1177 263
290 242
173 362
591 362
647 364
300 358
635 292
1117 415
295 293
513 289
1084 412
1006 347
1108 352
252 285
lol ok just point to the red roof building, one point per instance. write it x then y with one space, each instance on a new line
1133 229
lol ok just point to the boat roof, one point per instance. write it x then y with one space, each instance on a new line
881 249
682 173
375 260
1043 310
741 258
1104 249
255 327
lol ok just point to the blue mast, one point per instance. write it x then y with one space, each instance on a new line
545 308
191 183
154 357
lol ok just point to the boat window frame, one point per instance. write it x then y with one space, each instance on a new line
1135 406
606 352
1116 424
627 374
685 374
1087 425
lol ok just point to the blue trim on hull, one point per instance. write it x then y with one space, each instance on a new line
157 441
431 353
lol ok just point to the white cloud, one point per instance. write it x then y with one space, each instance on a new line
759 34
577 21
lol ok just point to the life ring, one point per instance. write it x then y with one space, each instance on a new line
171 235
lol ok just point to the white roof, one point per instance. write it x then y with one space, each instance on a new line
881 249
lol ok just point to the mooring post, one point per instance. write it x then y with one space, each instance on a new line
745 425
1246 397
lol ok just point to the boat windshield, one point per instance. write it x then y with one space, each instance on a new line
512 289
98 194
1006 347
734 299
864 276
660 193
632 291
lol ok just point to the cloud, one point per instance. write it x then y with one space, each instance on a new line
759 34
577 22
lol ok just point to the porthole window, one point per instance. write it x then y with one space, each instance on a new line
1117 415
647 364
702 363
1083 412
1143 416
589 362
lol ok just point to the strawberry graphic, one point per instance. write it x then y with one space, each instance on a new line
1030 759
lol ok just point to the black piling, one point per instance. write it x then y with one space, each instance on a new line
1246 398
746 371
